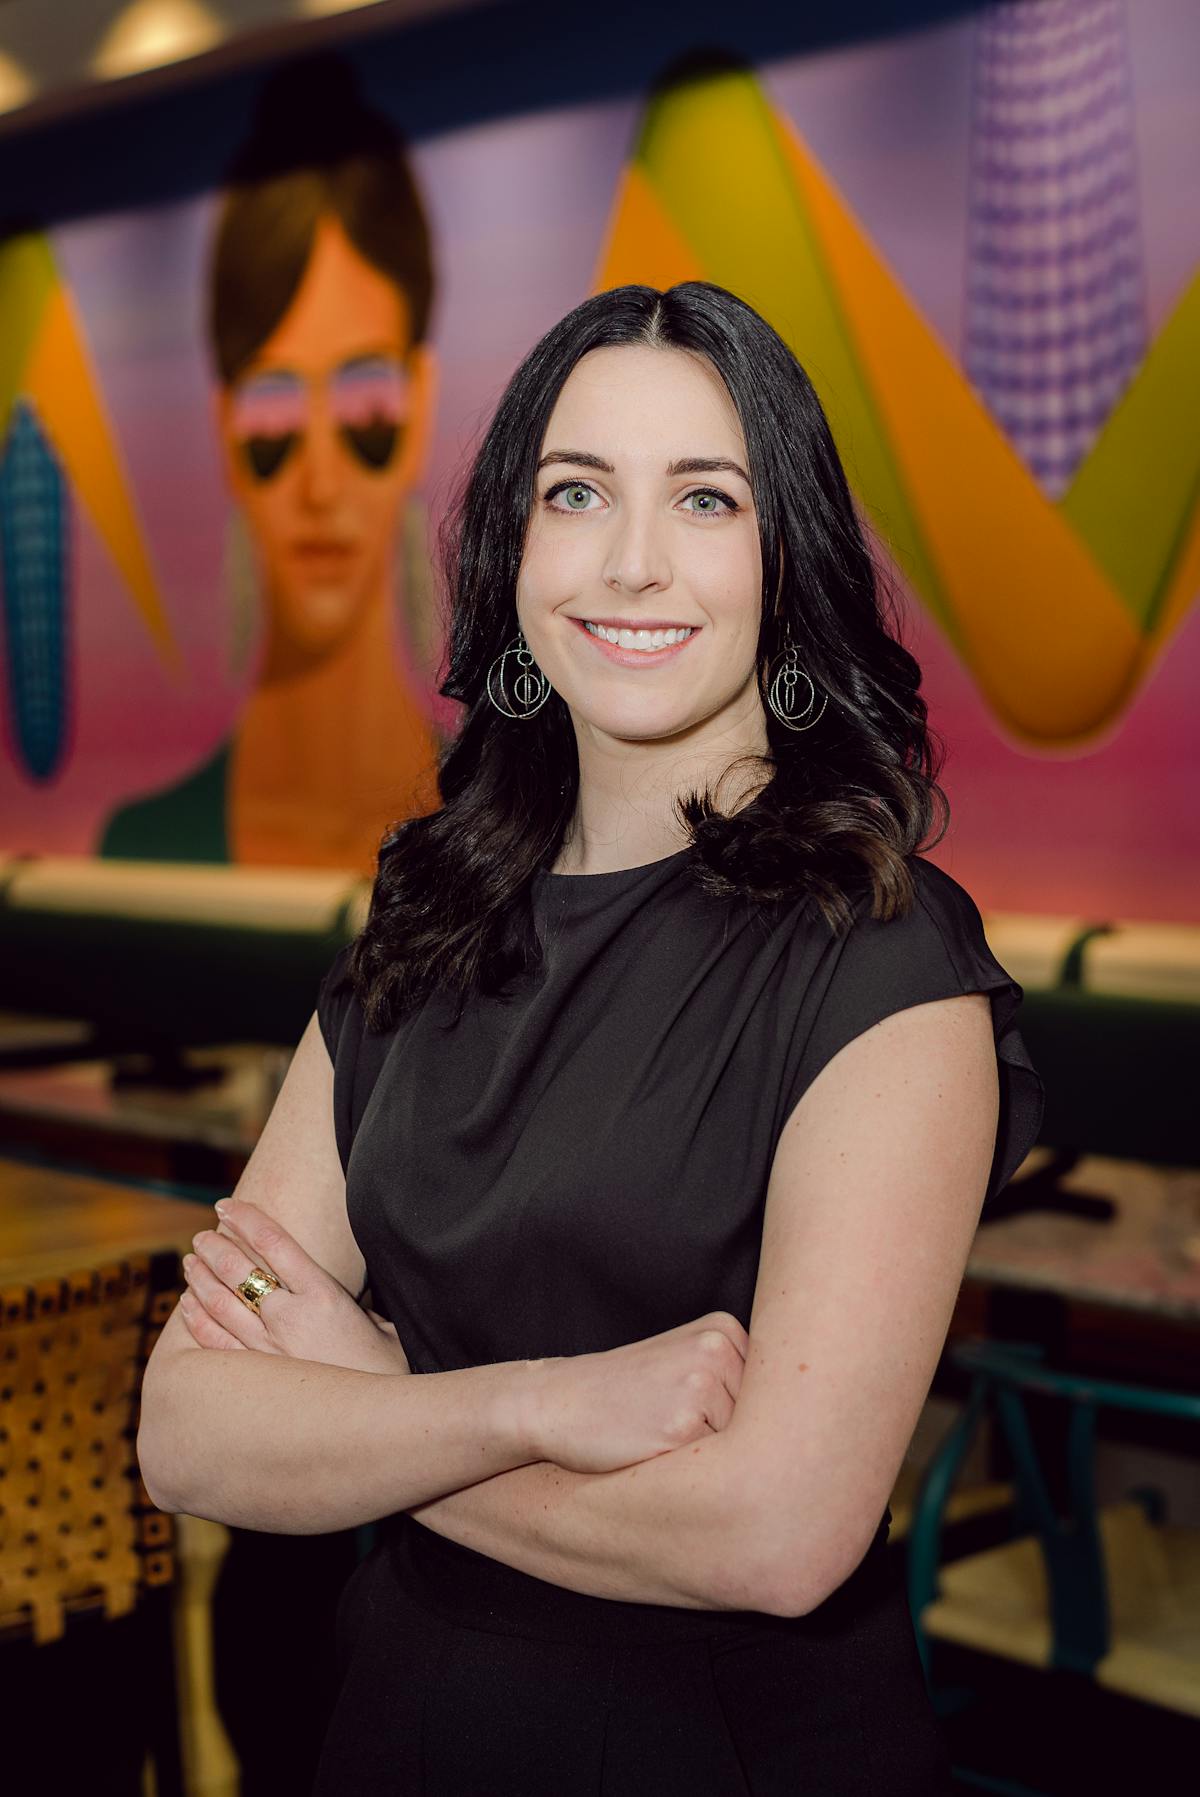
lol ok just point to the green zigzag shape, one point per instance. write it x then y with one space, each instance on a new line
1134 497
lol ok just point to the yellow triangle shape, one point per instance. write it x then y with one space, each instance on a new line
58 380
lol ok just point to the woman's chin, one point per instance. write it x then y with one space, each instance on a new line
317 618
637 723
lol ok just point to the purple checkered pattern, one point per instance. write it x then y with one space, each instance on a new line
1055 320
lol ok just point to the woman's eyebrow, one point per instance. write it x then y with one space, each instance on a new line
582 458
695 464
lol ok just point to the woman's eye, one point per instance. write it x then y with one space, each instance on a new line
710 505
574 495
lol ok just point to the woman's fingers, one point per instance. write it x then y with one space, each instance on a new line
717 1378
227 1259
271 1246
725 1351
382 1324
727 1324
205 1329
224 1306
719 1409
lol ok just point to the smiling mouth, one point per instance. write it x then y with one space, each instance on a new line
633 646
644 637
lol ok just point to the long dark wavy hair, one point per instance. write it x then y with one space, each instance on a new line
839 808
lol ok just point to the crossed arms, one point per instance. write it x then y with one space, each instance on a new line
872 1205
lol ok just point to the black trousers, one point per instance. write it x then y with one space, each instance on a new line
462 1677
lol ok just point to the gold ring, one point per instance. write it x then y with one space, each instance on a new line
255 1286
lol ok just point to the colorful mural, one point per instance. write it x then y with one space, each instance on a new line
220 633
318 298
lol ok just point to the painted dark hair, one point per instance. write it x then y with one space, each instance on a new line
315 147
840 808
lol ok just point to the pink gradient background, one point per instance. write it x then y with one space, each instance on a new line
519 211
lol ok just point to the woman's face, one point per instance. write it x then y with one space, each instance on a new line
642 520
324 433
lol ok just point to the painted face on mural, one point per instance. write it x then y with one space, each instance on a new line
643 519
324 433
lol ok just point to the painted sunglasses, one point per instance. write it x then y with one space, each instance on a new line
367 398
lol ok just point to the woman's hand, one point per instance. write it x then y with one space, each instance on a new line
309 1317
593 1413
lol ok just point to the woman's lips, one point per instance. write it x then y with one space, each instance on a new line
321 555
634 658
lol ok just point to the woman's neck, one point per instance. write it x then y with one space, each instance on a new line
625 813
326 759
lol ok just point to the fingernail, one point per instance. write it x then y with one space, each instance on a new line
221 1207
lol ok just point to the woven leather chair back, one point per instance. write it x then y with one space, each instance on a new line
78 1530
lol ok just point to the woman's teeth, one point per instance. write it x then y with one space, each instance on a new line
638 639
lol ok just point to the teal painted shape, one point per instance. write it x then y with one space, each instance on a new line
35 583
183 822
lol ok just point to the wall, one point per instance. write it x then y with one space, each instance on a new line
995 293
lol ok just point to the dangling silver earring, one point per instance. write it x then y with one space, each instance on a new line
781 693
530 686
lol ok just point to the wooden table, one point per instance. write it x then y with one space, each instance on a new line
1119 1298
1145 1259
54 1223
201 1135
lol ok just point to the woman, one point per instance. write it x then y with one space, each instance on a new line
321 290
664 1087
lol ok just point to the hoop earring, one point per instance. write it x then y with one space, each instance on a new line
781 693
531 688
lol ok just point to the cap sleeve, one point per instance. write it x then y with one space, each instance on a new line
335 995
937 950
357 1055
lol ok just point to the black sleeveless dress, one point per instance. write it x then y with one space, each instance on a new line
580 1163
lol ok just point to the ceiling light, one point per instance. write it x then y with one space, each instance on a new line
150 33
16 89
323 9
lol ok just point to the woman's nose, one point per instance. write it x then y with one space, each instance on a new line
635 553
320 460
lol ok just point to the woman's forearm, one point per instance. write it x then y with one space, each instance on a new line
671 1530
296 1447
